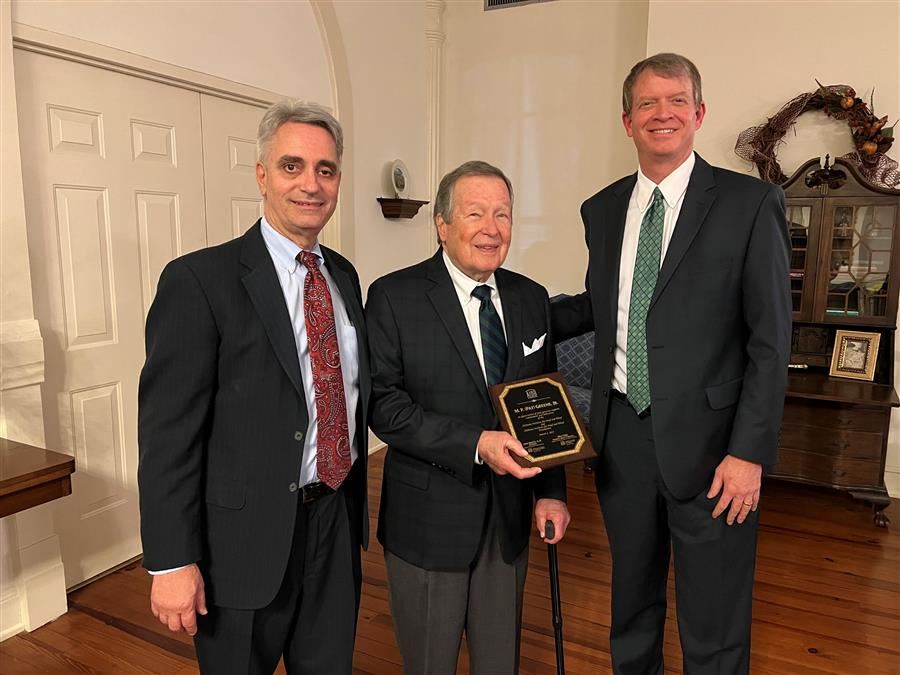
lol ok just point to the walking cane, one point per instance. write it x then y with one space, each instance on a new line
549 533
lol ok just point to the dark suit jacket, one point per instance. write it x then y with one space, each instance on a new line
718 329
223 417
430 405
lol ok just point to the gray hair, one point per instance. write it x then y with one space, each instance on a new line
292 110
666 65
443 202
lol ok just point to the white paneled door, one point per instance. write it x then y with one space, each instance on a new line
114 188
229 163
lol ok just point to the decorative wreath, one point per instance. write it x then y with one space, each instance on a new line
870 135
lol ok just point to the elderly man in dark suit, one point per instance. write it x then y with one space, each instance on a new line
687 290
455 507
252 425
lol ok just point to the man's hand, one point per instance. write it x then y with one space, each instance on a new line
553 510
739 481
177 597
495 448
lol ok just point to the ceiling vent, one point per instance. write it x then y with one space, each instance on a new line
502 4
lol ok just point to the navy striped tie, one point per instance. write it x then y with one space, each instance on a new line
493 341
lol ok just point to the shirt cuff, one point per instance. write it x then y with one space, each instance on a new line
168 571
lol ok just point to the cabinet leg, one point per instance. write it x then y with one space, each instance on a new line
879 499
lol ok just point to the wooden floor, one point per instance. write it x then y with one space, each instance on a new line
827 600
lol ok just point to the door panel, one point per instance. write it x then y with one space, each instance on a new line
233 202
113 177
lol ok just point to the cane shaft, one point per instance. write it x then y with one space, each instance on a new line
549 533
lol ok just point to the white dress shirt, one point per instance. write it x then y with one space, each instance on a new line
291 276
464 286
673 188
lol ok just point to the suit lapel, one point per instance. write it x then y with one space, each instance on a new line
512 317
614 233
698 199
267 297
446 303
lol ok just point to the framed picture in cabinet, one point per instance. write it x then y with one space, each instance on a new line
854 354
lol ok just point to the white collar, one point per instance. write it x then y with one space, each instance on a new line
672 186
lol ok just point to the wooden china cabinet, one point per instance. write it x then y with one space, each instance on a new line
844 275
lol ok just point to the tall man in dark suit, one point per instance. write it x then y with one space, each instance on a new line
455 508
252 425
687 290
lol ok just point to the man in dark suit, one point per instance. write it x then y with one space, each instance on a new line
252 425
456 508
687 290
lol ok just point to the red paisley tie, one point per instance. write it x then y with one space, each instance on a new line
333 452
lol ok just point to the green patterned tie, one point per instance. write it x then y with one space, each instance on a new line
646 269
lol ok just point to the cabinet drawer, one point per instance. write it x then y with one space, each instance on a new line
829 415
818 468
831 443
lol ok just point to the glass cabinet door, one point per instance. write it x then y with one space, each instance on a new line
802 222
859 260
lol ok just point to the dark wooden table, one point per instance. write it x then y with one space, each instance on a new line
30 476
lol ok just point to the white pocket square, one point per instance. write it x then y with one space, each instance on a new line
537 344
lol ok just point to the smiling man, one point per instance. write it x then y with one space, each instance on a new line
252 425
456 509
687 292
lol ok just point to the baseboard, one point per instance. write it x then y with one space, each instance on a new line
11 621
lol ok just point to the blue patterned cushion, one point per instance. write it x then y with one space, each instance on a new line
581 397
575 357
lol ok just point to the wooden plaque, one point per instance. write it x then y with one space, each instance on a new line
539 413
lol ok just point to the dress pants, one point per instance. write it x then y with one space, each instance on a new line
714 562
431 609
311 621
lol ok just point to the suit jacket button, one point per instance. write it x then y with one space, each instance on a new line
292 487
298 435
605 393
612 350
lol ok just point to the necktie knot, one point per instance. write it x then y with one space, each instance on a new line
310 259
656 198
482 292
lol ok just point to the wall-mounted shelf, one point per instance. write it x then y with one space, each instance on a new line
399 208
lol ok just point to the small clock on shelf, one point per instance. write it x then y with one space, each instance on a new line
399 206
400 179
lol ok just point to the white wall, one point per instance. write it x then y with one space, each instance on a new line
271 45
536 90
384 42
755 56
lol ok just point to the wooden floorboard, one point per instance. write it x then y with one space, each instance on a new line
826 600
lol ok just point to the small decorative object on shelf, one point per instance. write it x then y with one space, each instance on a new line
400 179
854 355
871 135
399 206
